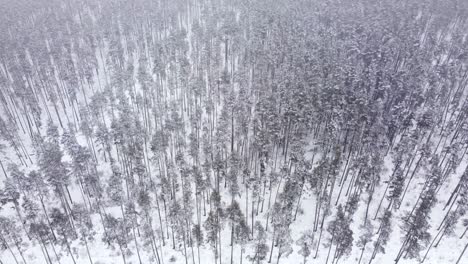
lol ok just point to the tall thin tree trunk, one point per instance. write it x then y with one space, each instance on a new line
461 254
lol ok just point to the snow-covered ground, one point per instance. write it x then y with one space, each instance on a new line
446 252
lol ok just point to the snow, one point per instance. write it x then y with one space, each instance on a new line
447 252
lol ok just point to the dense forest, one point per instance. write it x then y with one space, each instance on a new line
233 131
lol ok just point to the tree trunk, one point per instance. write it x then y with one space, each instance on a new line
232 242
331 245
278 259
87 251
461 255
123 254
136 243
272 245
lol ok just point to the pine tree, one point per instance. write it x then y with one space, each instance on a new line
237 221
10 234
260 247
342 236
118 233
284 244
41 233
212 227
365 238
417 224
84 225
305 242
65 231
197 234
384 233
144 202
